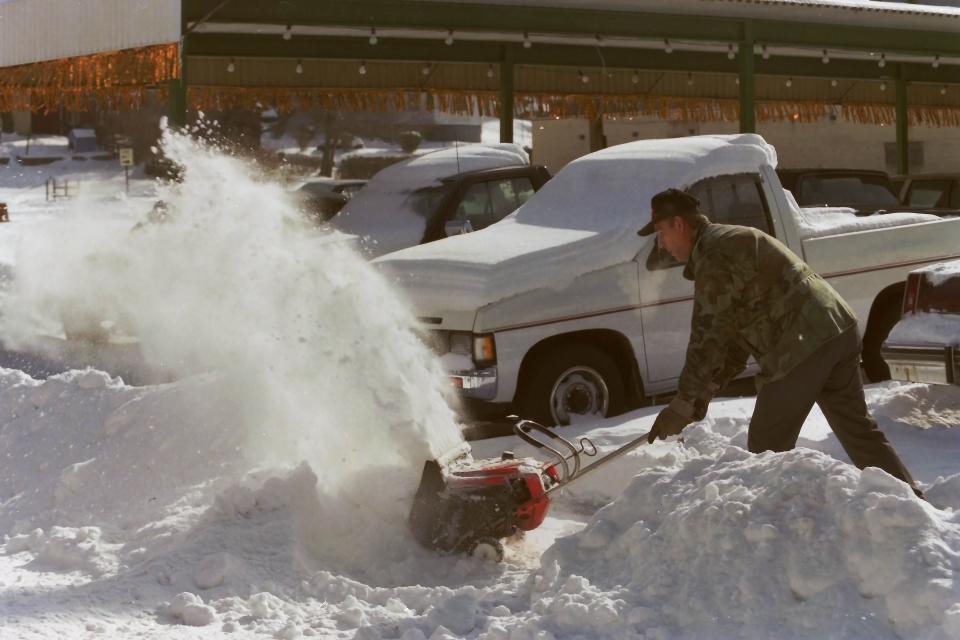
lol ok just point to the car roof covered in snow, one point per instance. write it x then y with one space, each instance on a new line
584 219
385 216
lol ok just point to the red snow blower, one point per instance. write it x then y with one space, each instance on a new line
470 506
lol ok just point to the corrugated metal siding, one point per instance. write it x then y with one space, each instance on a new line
36 30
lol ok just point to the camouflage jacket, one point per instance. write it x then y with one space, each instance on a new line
753 296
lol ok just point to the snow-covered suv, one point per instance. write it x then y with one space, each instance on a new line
440 194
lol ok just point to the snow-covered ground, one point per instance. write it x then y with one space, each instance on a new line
263 494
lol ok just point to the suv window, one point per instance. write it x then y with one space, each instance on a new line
928 193
523 188
732 199
476 207
487 202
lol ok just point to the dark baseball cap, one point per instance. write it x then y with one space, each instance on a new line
667 204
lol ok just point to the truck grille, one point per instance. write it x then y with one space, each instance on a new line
436 340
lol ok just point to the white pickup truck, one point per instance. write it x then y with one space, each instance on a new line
561 310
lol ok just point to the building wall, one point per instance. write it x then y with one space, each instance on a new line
557 142
36 30
827 144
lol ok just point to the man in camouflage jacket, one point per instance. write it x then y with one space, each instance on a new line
753 296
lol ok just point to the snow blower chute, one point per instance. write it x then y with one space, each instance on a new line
470 506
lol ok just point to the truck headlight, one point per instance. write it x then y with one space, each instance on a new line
484 350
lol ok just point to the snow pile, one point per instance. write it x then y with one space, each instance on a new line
584 219
390 213
729 544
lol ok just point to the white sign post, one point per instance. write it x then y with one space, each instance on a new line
126 161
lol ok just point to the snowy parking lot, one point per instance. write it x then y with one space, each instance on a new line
263 491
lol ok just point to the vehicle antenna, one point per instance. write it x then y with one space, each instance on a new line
456 148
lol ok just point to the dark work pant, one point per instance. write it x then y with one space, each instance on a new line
830 376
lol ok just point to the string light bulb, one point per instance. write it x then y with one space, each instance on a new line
883 61
584 78
883 86
373 36
425 69
527 42
788 83
449 39
635 78
689 79
490 71
936 61
299 67
288 32
834 82
231 66
363 68
731 53
943 90
764 53
826 57
667 47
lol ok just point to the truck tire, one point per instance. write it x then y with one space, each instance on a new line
879 327
570 381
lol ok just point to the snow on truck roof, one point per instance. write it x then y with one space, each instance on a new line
582 220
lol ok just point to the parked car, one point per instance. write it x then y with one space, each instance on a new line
932 191
562 312
924 346
322 198
866 192
438 194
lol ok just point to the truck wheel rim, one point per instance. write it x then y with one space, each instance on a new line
579 391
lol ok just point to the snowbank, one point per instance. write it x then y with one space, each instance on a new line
727 545
584 219
389 213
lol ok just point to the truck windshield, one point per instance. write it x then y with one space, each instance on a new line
845 190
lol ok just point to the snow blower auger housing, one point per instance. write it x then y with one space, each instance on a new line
470 506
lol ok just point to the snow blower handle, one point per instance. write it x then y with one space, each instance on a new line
524 429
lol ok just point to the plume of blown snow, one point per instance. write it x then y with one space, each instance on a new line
313 350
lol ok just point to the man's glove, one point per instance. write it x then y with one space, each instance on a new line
672 420
703 401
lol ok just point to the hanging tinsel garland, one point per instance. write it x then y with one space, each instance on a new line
116 80
487 103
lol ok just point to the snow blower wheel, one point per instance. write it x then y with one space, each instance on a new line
487 550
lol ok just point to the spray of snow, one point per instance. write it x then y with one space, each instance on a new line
302 349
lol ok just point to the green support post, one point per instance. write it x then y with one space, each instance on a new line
748 117
177 102
903 137
506 95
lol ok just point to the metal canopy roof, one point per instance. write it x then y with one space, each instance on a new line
791 35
